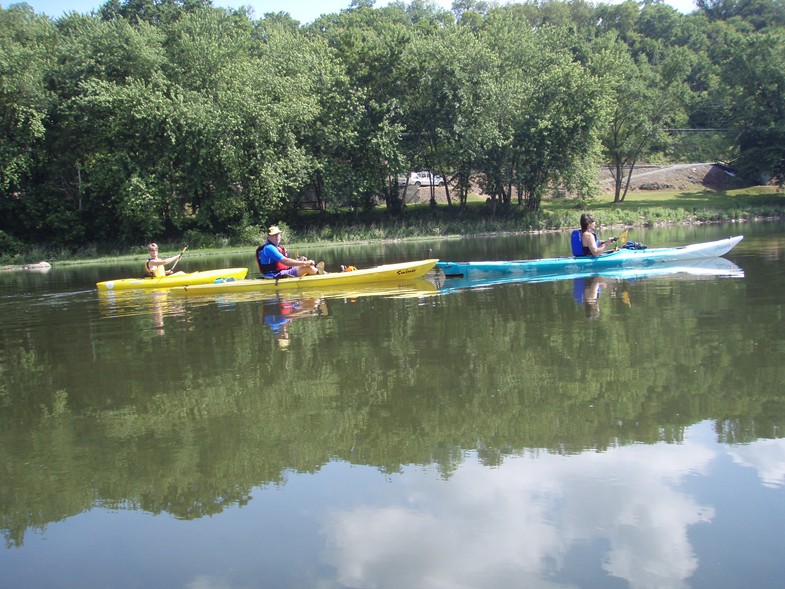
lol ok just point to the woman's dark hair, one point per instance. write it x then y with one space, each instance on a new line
586 218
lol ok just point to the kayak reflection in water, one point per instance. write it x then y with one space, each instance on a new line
587 291
163 306
158 312
277 313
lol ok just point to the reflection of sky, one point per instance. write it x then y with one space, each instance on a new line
767 457
521 523
641 516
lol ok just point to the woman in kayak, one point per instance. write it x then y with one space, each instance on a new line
274 260
591 245
155 266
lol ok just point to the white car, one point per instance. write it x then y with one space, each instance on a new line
421 179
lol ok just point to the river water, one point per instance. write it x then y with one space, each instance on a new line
615 432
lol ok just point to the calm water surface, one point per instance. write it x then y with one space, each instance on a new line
436 435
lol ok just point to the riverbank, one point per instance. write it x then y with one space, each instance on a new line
642 208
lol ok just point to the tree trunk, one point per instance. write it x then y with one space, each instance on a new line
446 189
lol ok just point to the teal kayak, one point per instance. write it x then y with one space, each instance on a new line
716 267
622 258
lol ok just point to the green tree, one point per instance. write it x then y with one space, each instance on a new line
449 107
644 99
755 86
107 128
369 43
27 44
553 106
758 13
294 83
154 12
258 89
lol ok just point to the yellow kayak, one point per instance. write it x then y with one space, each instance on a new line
186 278
388 272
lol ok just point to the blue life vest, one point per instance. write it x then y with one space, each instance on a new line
577 244
271 268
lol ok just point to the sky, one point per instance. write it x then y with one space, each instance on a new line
305 11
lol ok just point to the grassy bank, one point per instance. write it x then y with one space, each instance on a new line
642 209
423 222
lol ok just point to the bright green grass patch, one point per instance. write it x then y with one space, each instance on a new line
704 199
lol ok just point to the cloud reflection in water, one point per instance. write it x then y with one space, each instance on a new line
767 457
519 524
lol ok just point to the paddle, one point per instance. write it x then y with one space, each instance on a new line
319 267
178 258
621 239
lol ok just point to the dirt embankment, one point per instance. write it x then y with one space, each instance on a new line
679 177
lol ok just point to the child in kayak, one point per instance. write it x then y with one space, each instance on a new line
155 266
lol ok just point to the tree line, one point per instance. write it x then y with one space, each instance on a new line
156 118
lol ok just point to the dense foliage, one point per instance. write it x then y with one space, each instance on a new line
168 118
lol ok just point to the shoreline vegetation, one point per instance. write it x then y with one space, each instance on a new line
424 222
185 123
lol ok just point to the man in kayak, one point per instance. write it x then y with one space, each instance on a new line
589 242
274 260
155 266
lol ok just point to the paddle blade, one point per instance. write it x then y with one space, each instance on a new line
623 237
